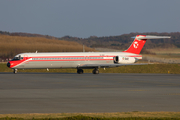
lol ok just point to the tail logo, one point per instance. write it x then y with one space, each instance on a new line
135 44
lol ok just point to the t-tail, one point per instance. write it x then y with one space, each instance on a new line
139 42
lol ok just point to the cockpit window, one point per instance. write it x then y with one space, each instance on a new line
18 58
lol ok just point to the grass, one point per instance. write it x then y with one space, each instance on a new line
151 68
94 116
12 45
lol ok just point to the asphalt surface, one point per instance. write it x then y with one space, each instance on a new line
61 92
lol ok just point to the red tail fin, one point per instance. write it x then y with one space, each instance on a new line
139 42
137 45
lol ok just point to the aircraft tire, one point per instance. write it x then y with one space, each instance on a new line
15 71
80 71
95 71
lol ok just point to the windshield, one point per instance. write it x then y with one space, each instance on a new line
18 58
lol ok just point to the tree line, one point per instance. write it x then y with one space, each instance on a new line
123 41
120 42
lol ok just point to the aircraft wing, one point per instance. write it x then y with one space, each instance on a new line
107 65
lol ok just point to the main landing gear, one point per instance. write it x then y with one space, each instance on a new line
95 71
80 71
14 71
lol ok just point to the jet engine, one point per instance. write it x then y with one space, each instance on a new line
124 60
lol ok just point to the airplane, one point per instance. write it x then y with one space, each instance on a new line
82 60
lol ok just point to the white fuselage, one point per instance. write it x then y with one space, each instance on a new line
68 59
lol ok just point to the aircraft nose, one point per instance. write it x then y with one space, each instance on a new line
8 64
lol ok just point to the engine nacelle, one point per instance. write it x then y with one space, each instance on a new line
124 60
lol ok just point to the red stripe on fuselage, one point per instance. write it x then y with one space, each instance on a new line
85 58
73 60
14 63
68 56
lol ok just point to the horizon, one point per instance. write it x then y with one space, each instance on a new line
143 33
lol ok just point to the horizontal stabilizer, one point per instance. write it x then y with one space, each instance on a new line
150 37
139 42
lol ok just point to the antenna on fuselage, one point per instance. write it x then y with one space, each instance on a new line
36 51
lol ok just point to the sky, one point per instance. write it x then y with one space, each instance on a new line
85 18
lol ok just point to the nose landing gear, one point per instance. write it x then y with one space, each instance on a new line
14 71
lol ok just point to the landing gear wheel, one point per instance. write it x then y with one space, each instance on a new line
15 71
95 71
80 71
